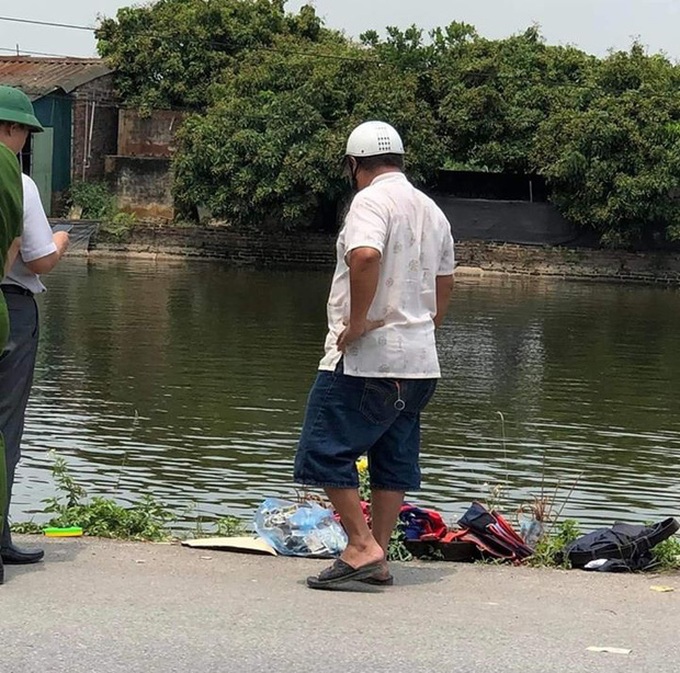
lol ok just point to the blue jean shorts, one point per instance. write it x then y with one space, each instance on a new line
349 416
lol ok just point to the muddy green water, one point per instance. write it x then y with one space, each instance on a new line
188 382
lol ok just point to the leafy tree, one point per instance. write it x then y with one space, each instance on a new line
276 94
269 149
167 54
406 51
494 94
615 164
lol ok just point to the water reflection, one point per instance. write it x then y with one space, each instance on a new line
189 380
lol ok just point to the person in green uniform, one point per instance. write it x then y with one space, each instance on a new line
11 214
17 119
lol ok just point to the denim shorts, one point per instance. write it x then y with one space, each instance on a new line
349 416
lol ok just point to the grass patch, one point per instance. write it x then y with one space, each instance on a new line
27 528
667 553
118 226
226 526
148 520
96 201
103 517
549 552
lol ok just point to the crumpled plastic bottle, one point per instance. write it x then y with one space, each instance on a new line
531 531
299 528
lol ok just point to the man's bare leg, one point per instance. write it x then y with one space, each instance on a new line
385 508
362 548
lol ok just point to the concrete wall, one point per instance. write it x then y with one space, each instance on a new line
478 258
149 136
143 186
94 101
140 172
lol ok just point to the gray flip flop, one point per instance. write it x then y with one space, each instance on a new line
341 572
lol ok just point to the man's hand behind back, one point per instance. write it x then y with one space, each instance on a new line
352 332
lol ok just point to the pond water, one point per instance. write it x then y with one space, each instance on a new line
188 381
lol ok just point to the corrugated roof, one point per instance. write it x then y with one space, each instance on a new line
38 76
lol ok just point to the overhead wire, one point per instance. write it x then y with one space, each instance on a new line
50 24
110 104
28 52
213 43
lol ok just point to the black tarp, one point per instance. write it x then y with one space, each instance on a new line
506 221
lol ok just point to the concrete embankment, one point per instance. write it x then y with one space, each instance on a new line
317 251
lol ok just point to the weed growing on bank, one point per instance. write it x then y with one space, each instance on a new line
667 553
549 551
147 520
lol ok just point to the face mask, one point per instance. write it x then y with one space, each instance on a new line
350 170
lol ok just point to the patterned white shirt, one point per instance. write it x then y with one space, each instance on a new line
414 239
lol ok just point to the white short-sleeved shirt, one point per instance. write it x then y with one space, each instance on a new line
36 240
414 239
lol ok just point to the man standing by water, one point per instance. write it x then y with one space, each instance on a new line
39 252
391 288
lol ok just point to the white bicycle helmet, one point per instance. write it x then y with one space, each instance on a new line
371 139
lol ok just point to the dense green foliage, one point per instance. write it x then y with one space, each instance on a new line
167 54
550 549
269 149
275 95
614 164
93 198
667 554
493 95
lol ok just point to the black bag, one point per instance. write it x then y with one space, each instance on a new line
625 546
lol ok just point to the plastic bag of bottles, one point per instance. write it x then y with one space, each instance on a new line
299 528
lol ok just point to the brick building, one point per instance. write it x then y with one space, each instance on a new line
74 100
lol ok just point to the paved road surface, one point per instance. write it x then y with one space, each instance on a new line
107 607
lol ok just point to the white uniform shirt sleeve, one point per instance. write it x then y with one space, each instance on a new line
365 225
36 239
447 260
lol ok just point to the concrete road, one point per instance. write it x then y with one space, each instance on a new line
109 607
